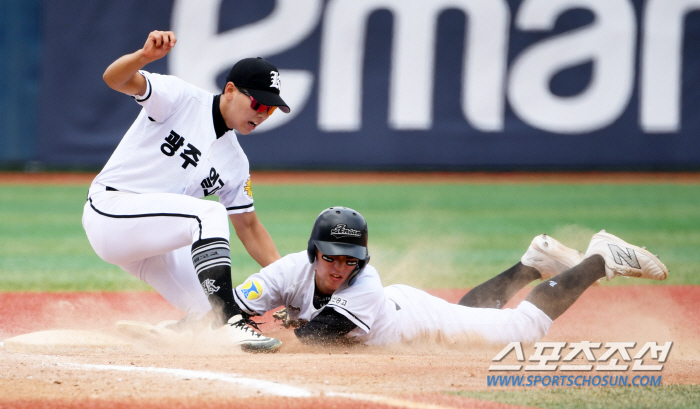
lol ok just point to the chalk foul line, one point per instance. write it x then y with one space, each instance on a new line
385 400
267 387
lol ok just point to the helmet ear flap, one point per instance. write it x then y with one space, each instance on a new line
360 266
311 251
363 263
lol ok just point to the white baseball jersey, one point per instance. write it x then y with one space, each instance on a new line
144 210
397 313
290 281
172 148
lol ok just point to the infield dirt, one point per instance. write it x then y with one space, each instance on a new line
409 376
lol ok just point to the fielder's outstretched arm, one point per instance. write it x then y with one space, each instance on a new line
255 238
122 76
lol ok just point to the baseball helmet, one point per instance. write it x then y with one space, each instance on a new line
340 231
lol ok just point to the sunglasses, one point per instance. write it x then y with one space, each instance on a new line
258 107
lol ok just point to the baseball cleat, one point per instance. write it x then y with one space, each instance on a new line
624 259
550 257
244 332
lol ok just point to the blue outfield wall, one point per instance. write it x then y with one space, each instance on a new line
20 63
400 84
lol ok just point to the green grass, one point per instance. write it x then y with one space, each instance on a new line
425 235
667 397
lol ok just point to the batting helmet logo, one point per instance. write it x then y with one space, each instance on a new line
342 230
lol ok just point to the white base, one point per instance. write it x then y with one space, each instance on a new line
65 341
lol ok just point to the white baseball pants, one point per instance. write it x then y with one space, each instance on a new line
423 316
150 237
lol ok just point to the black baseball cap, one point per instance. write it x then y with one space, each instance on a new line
261 79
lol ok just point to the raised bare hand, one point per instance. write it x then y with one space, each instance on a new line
158 44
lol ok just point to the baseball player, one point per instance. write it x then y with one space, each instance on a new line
332 294
144 212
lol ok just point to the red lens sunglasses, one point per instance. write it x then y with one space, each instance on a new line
258 107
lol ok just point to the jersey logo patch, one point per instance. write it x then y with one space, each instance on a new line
252 290
342 230
248 189
275 78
